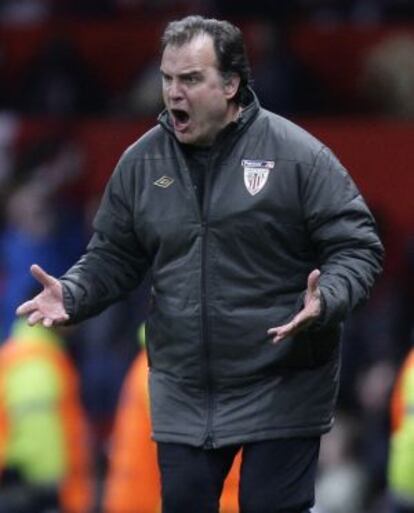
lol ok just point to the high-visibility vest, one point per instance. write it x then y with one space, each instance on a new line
43 430
401 452
133 482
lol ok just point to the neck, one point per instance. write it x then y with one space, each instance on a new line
232 115
234 112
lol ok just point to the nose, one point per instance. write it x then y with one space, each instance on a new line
174 90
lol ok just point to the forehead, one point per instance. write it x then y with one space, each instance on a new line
198 53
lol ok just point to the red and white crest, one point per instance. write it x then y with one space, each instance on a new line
256 173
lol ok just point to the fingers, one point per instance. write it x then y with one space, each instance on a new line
306 316
298 323
47 323
62 319
34 315
281 332
313 281
34 318
37 317
26 308
41 276
301 321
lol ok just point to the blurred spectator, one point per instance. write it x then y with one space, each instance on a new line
374 389
44 457
58 82
371 331
387 79
40 226
370 356
342 481
401 455
133 480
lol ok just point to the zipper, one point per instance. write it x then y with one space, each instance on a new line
208 437
202 212
209 442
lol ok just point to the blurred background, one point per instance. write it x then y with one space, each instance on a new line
80 82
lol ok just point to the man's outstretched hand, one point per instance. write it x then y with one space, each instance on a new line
47 307
309 313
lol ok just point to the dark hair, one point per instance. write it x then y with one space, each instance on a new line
228 44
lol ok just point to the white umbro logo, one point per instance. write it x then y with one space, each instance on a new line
164 182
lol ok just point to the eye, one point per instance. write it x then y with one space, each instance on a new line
191 79
166 79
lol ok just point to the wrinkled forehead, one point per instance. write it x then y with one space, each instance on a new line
198 52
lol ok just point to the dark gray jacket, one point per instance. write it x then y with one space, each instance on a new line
277 205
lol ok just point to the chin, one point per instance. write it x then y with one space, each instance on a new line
185 138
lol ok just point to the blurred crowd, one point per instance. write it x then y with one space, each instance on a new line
23 11
46 213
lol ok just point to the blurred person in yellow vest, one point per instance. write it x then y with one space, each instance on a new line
133 482
45 463
401 455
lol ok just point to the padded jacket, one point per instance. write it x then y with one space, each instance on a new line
277 204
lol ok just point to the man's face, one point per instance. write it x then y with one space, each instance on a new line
194 92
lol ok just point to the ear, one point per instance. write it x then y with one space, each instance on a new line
231 86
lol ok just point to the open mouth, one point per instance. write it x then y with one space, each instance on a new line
180 118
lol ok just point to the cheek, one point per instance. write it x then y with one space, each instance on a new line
210 106
218 108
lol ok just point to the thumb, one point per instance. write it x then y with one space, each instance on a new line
313 281
41 276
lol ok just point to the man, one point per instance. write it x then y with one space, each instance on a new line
259 244
45 463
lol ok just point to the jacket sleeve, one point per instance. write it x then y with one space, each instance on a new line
115 261
343 233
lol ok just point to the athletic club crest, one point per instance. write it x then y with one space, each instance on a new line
256 173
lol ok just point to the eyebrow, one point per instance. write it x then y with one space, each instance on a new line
186 74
